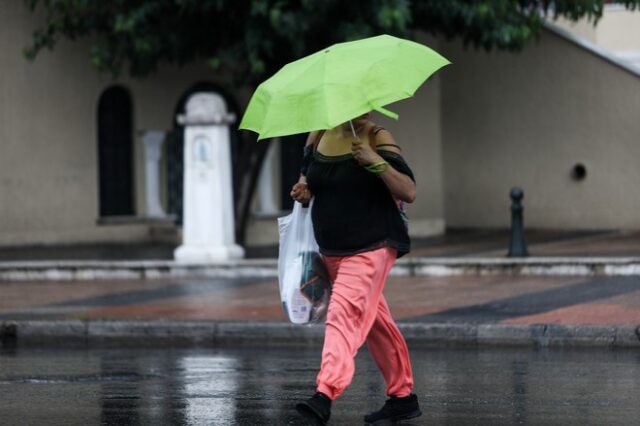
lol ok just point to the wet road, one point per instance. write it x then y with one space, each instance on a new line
260 387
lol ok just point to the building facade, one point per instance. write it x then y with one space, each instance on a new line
559 119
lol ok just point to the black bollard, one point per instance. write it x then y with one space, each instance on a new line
517 247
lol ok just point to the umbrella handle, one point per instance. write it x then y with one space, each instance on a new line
353 130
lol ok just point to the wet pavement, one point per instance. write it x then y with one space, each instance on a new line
473 299
461 386
249 387
508 299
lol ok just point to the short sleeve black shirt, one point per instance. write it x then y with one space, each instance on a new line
353 210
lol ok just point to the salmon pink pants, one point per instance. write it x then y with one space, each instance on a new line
358 312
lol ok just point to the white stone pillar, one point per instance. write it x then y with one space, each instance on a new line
208 222
266 201
152 141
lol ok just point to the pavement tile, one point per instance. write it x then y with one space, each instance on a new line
583 314
456 299
28 294
218 313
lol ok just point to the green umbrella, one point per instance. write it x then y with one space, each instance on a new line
337 84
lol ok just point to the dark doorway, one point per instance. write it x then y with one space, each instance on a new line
115 152
291 149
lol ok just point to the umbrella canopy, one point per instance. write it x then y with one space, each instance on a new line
341 82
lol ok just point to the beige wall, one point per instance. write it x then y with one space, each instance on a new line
617 30
525 119
583 28
48 142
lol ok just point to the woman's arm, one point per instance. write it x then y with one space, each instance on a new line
400 185
300 192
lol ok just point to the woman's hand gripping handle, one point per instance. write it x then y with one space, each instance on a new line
300 192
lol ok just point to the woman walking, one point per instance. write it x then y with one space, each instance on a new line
359 180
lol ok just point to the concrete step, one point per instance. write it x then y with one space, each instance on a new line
266 268
215 334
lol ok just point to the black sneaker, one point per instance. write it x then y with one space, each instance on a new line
395 409
317 407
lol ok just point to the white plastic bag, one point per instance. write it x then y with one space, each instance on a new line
304 282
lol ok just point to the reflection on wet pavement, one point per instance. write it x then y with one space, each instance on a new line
260 387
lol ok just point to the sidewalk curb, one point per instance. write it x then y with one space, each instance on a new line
267 268
213 334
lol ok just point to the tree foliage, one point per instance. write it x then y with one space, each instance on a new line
255 37
251 37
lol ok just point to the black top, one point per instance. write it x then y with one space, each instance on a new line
353 210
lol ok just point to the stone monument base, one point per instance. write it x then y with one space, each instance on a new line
207 254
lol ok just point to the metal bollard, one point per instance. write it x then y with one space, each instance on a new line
517 247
